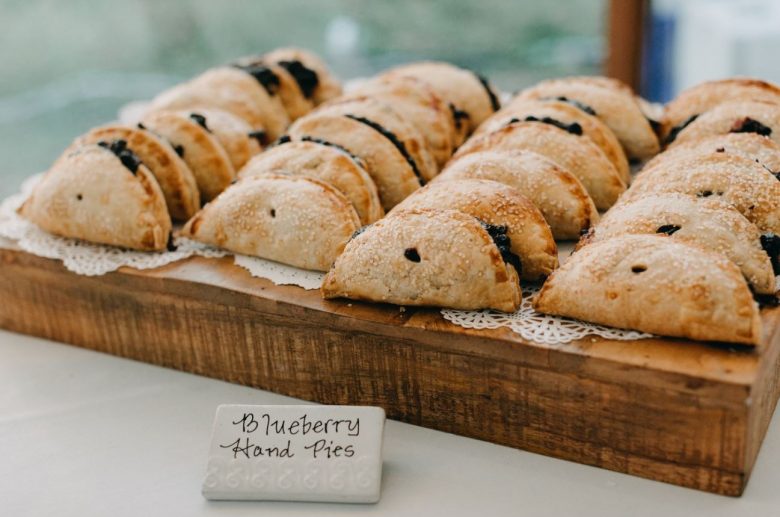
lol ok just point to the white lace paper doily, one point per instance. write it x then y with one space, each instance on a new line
96 259
535 326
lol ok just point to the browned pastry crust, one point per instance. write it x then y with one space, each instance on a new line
574 153
740 182
654 284
324 162
172 174
90 194
420 105
557 193
705 222
388 167
615 105
295 220
758 117
323 87
530 238
568 115
237 138
440 258
202 152
705 96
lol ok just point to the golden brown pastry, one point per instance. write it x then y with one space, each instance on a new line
418 103
101 193
575 153
237 138
201 150
470 93
527 234
654 284
705 96
385 162
233 90
762 118
312 74
295 220
558 194
174 177
324 161
740 182
403 134
616 106
705 222
568 117
278 81
748 145
440 258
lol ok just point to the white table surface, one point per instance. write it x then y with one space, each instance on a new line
86 434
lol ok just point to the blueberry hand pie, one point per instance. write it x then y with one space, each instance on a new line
527 235
101 193
172 174
310 72
294 220
575 153
705 222
761 118
440 258
654 284
559 195
237 138
200 149
324 161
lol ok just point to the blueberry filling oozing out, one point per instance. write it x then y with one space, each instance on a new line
638 269
771 244
263 75
708 193
679 127
200 120
284 139
305 77
320 141
577 104
491 94
504 245
170 246
259 135
394 140
359 231
412 254
668 229
458 116
574 128
749 125
654 125
125 155
179 150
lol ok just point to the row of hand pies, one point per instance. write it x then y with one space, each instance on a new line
696 235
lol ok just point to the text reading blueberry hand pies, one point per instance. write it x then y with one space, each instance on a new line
101 193
171 172
327 162
559 195
654 284
294 220
527 234
441 258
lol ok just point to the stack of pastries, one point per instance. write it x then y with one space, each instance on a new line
694 240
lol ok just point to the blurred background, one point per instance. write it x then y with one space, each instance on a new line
68 66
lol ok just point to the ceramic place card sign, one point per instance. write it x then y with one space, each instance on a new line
296 453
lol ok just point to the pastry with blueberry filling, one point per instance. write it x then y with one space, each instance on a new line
201 150
162 159
566 116
101 193
324 161
387 162
655 284
613 103
742 183
313 76
439 258
709 223
558 194
577 154
294 220
236 136
278 81
528 237
694 101
761 118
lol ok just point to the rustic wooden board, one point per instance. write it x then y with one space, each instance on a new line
687 413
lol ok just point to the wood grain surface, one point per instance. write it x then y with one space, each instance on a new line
692 414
